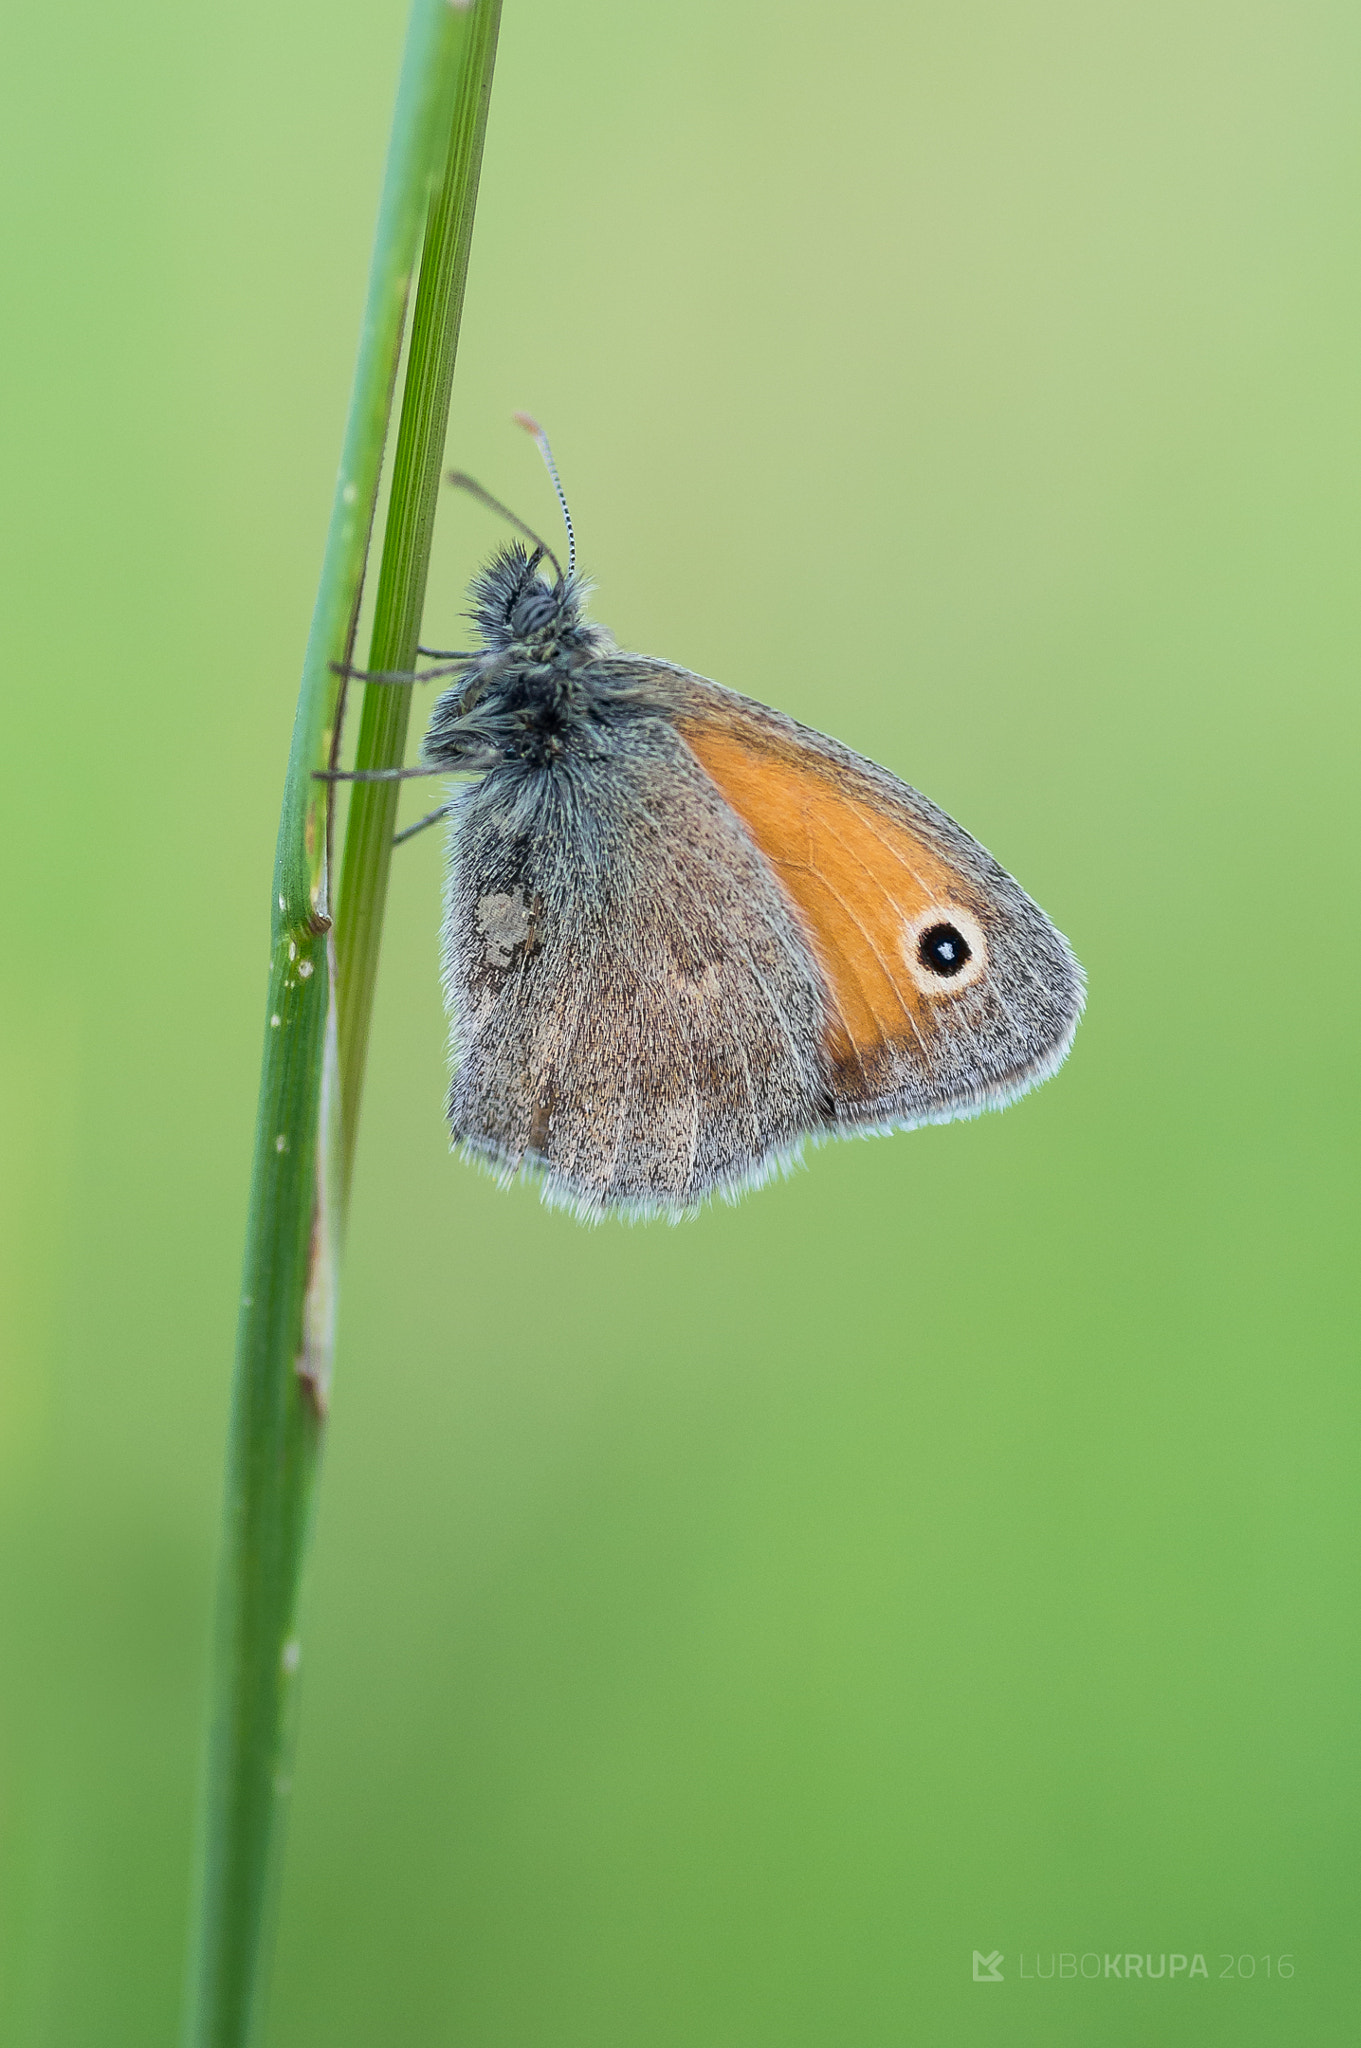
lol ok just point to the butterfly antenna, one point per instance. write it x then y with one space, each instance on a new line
531 426
461 481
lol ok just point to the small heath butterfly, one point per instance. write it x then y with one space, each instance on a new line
683 933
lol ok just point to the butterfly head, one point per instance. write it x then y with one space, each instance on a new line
526 696
518 612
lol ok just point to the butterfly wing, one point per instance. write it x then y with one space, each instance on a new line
670 960
948 990
637 1013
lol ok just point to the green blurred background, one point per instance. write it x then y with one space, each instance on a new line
715 1634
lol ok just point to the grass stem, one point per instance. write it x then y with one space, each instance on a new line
416 473
303 1142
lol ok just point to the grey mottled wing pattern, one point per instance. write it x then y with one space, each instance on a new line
636 1012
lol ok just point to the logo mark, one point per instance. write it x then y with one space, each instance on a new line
987 1969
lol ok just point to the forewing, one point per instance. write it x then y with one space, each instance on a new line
919 1027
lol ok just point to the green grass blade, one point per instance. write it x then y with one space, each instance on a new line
287 1307
406 559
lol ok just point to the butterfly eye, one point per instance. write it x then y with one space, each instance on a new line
944 950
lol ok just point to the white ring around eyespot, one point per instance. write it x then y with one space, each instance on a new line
969 929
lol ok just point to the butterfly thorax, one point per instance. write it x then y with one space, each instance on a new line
529 695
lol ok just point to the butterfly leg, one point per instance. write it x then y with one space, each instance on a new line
451 663
372 774
430 818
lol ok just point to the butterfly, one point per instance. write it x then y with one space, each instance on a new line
684 933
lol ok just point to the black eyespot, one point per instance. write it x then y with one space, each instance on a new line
944 949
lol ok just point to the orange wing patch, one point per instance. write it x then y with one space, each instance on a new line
866 887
